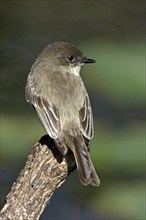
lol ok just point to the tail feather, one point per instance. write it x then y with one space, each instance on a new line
86 171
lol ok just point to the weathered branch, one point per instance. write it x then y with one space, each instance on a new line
44 171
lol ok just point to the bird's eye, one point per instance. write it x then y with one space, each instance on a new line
71 58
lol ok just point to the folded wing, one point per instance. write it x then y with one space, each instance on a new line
86 120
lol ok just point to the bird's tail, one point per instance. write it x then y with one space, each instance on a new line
86 171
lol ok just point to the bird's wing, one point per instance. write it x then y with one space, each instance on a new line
48 114
49 117
86 120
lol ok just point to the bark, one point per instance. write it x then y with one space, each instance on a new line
45 170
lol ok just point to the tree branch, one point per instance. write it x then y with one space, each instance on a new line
45 170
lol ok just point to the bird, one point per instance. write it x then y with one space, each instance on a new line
56 91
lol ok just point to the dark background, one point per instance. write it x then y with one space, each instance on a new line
113 33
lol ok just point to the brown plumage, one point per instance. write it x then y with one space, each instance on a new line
56 91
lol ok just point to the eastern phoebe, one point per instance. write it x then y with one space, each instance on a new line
56 91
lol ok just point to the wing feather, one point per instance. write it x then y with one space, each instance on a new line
48 116
86 119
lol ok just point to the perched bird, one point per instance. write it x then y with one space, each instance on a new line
56 91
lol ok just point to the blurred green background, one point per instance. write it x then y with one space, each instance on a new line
112 32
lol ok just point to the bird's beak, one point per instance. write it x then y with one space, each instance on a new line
87 60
